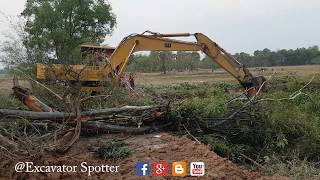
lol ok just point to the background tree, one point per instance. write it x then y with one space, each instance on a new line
208 63
315 60
12 50
57 27
165 59
187 61
283 57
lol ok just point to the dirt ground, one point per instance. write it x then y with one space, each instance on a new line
151 147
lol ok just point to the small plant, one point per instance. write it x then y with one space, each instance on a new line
115 150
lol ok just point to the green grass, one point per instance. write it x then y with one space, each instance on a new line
10 102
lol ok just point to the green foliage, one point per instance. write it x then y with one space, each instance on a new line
57 27
295 123
208 63
282 123
266 57
115 150
315 60
187 61
211 106
226 149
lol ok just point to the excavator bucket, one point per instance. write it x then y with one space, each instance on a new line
253 84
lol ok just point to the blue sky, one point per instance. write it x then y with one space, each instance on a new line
237 25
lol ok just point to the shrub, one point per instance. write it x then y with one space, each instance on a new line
115 150
295 168
281 123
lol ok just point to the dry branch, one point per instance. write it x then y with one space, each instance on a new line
26 97
105 127
75 134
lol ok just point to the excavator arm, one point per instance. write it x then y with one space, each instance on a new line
149 41
162 42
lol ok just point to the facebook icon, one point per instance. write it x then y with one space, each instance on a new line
143 168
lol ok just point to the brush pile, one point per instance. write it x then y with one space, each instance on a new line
64 128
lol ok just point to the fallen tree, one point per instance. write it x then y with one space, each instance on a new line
65 115
105 127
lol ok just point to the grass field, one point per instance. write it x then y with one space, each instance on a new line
219 75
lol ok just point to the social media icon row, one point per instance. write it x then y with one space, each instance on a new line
178 168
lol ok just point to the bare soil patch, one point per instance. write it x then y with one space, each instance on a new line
151 147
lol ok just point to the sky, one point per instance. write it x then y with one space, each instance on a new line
237 25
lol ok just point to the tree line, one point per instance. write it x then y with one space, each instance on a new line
163 61
266 57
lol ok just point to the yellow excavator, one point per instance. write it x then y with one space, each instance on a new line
115 64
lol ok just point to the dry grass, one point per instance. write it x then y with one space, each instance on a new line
183 77
302 72
6 83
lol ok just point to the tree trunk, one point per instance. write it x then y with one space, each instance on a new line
64 115
105 127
